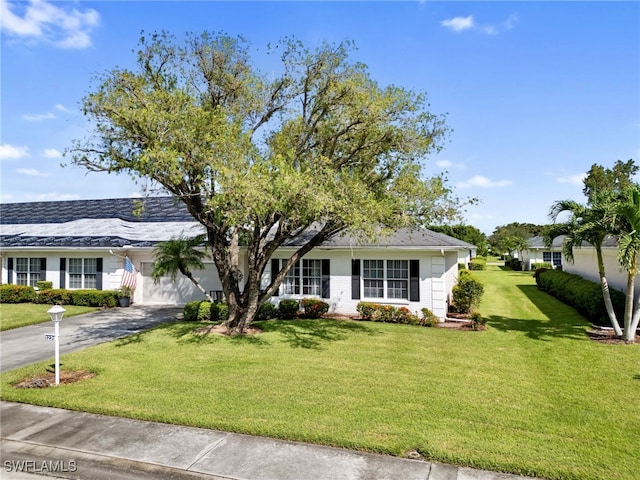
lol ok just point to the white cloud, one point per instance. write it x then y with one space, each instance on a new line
52 153
572 179
483 182
449 164
40 20
62 108
10 152
457 24
38 117
53 196
32 172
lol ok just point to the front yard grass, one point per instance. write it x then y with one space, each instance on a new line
530 395
14 315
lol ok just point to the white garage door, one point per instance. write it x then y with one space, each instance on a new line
167 292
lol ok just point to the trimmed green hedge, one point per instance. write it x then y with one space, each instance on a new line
58 296
85 298
313 308
584 295
17 294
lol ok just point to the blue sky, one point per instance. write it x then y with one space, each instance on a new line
535 92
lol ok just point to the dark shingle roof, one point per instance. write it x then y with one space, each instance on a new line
65 242
419 237
155 209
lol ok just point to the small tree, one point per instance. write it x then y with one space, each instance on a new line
627 222
467 293
179 255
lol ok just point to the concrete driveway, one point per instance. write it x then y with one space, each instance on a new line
27 345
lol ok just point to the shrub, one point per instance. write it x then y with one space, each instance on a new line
58 296
197 311
514 264
94 298
314 308
44 285
462 266
17 294
477 321
536 266
219 312
478 263
467 294
429 319
367 310
267 311
288 309
582 294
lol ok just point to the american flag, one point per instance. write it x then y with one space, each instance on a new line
129 274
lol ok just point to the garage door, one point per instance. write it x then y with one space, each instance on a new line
167 292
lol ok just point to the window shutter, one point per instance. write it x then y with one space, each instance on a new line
275 268
326 279
414 280
99 273
10 270
355 279
63 272
43 268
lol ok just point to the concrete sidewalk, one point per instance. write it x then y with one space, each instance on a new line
60 443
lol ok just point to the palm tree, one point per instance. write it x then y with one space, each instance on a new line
179 255
627 220
590 224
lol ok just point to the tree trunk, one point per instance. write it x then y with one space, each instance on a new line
630 319
607 296
195 282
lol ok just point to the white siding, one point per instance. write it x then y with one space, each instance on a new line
586 265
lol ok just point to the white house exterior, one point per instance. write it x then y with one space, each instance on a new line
82 244
585 262
586 265
538 252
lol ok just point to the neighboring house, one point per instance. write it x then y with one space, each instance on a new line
81 244
585 261
538 253
586 265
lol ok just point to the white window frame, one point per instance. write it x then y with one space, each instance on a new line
29 274
383 279
86 277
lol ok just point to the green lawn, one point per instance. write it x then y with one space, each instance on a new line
530 395
14 315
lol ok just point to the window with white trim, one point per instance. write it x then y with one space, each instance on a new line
28 271
83 272
291 283
391 282
311 277
554 258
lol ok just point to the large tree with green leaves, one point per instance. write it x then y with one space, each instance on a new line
315 145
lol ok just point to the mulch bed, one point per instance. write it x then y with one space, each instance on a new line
49 379
222 330
605 336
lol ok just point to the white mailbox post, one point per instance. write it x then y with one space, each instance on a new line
56 313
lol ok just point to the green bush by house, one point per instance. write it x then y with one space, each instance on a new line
17 294
58 296
313 307
467 293
584 295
